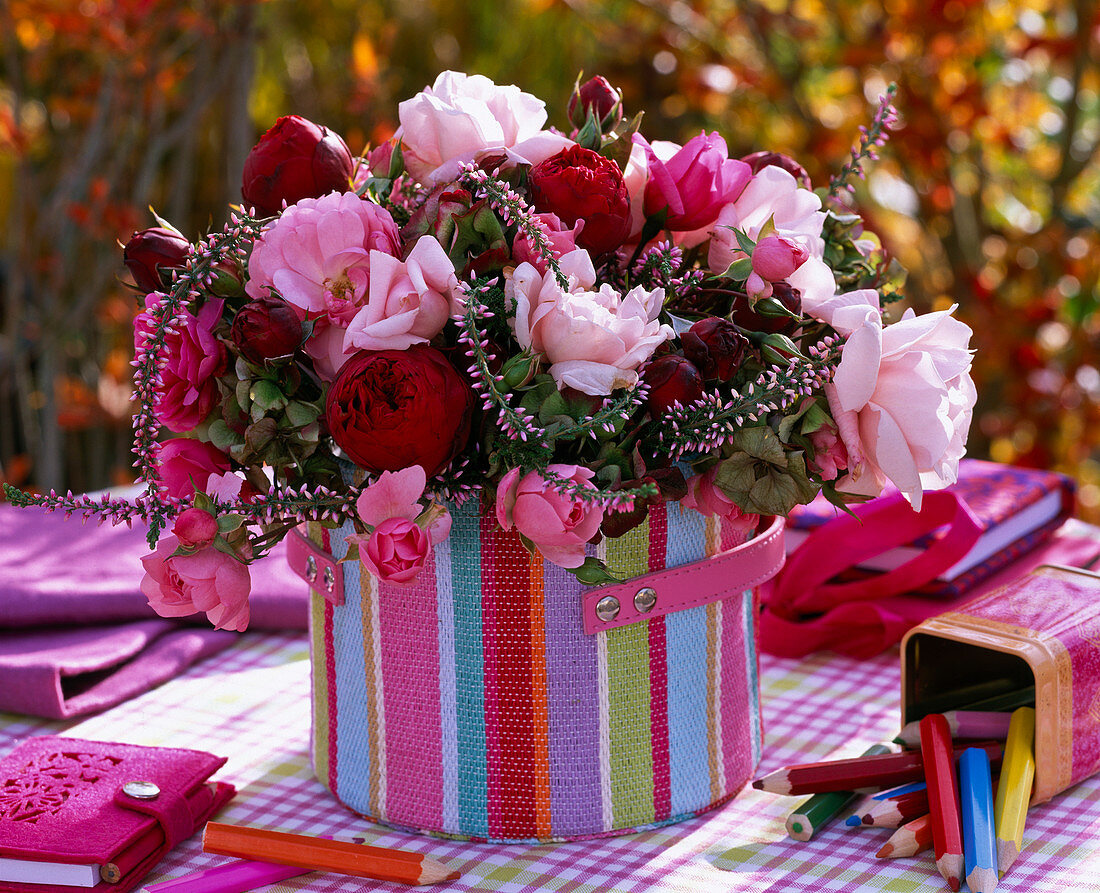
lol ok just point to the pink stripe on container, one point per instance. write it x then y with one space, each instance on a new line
330 672
736 703
658 675
491 663
410 693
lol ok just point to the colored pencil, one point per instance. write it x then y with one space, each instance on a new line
974 725
893 812
815 813
318 854
233 877
910 839
856 818
1014 791
884 770
943 797
976 808
1021 697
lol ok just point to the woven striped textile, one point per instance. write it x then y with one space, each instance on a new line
473 705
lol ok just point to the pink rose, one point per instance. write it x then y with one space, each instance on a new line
830 457
708 499
594 340
562 241
195 358
776 257
183 460
462 117
317 256
195 528
396 551
409 301
556 523
902 398
692 182
209 581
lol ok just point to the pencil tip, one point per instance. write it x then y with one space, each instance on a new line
1006 854
886 851
853 821
758 784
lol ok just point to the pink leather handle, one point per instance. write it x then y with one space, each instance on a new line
314 565
686 586
879 526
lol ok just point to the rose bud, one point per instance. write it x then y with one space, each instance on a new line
266 329
775 257
715 347
760 160
195 528
390 409
151 251
599 96
578 184
671 379
756 321
295 159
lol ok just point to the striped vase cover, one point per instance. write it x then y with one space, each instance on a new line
473 705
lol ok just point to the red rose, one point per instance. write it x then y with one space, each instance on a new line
266 329
715 346
390 409
671 379
577 184
150 251
295 159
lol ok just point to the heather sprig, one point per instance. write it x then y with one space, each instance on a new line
105 508
590 495
870 139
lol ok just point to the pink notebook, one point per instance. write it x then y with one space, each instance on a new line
80 814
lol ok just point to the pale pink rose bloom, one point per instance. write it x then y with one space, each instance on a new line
225 487
317 256
396 551
208 581
408 301
635 176
397 494
463 117
830 456
557 524
902 398
707 499
594 340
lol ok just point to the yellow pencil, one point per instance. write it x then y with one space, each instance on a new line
1014 790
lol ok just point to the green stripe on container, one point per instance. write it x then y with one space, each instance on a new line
631 754
319 679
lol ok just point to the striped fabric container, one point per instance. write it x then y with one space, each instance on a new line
474 705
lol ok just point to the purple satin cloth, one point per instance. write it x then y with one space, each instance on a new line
78 635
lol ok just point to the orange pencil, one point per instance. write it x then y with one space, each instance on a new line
324 855
908 840
943 797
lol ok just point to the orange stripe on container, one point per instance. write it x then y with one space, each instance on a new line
539 699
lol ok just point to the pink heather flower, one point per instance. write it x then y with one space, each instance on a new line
186 465
706 498
562 241
317 256
693 182
462 117
195 358
208 581
195 528
594 340
396 551
408 301
776 257
902 398
555 522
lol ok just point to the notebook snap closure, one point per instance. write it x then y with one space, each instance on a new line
607 608
141 790
311 568
330 579
645 598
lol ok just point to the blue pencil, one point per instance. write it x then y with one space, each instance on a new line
976 802
856 819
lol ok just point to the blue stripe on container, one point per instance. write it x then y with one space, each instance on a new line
473 794
686 647
352 730
448 711
753 681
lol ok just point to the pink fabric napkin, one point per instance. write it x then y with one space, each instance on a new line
79 636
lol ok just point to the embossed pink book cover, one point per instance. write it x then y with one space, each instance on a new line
98 815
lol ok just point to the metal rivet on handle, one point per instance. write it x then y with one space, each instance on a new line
330 579
311 568
607 608
141 790
645 598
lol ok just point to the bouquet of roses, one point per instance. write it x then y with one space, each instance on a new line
568 326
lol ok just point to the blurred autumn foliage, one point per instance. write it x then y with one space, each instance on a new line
989 192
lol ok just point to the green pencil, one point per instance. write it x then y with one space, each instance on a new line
813 814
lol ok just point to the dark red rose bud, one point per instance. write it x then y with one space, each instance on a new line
716 347
599 96
578 184
789 296
760 160
266 329
152 251
295 159
391 409
671 379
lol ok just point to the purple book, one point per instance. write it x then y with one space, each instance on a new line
1016 508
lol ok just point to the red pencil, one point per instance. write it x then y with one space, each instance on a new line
893 812
909 839
943 797
882 771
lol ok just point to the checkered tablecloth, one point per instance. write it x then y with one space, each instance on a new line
251 704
